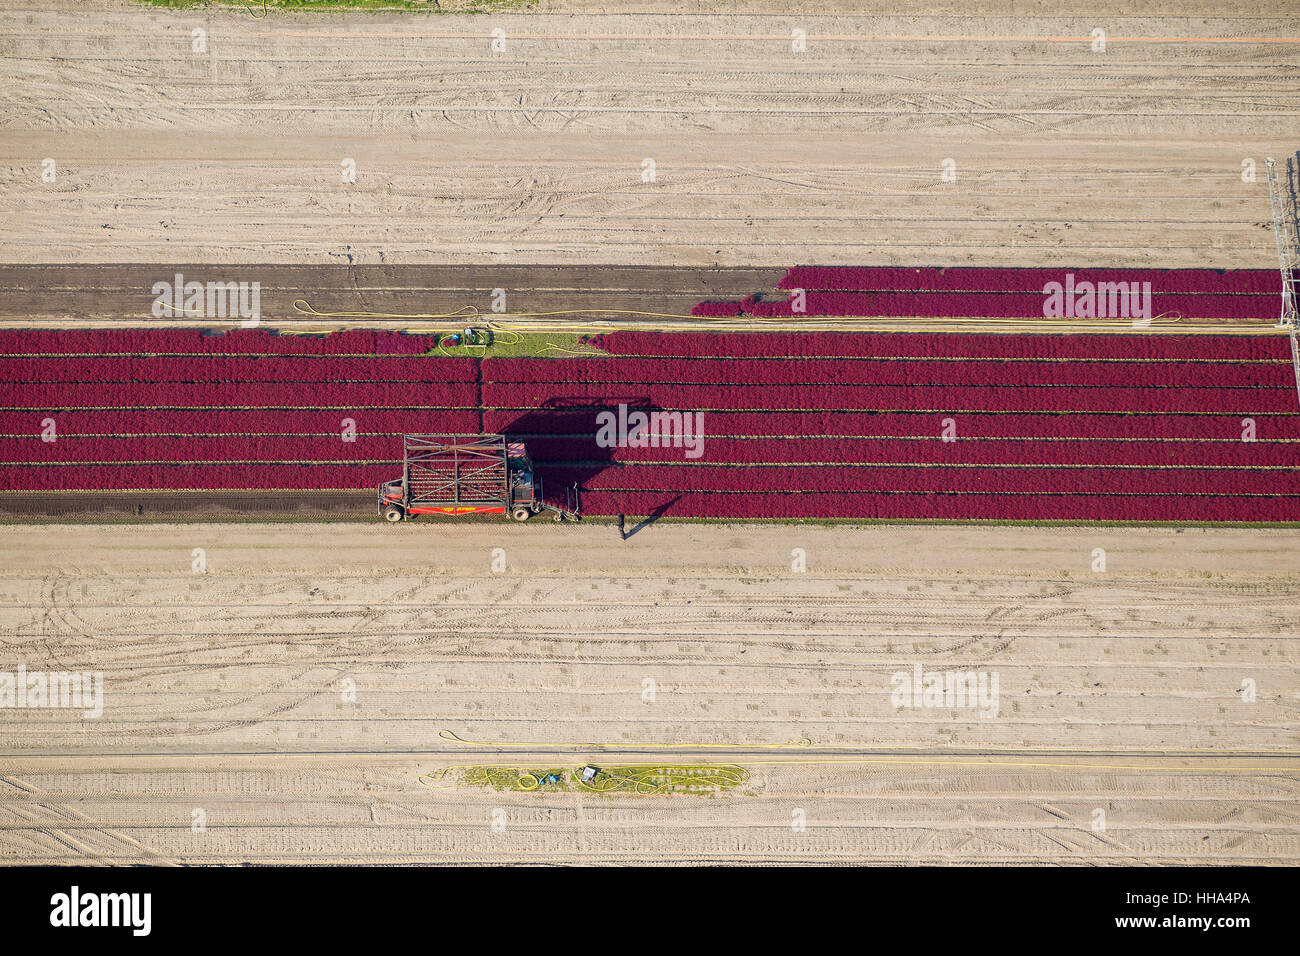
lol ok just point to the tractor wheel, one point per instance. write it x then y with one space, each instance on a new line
520 514
393 513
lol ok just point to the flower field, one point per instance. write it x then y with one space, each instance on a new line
967 292
910 372
1003 305
906 426
891 398
976 279
982 345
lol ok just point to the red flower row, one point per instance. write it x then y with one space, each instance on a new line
1005 480
235 394
890 372
991 345
1049 425
1007 493
554 451
952 399
214 448
927 506
980 279
196 341
1012 305
133 421
236 368
310 477
930 451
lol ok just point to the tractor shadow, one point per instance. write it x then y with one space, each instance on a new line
561 439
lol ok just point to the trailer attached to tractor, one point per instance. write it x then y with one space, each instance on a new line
468 474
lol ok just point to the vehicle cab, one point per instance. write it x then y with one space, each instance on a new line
525 486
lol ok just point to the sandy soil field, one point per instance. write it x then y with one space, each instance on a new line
1121 692
762 155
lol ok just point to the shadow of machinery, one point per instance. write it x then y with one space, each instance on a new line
561 439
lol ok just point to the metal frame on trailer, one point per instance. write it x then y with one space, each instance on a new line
469 471
468 474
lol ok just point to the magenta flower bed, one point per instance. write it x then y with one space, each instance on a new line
1007 293
1007 305
977 480
891 372
1043 425
898 398
237 368
1083 427
988 345
82 477
237 395
223 421
202 448
979 279
959 507
930 451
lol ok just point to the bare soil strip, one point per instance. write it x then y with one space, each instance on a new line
1062 154
120 295
1120 691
